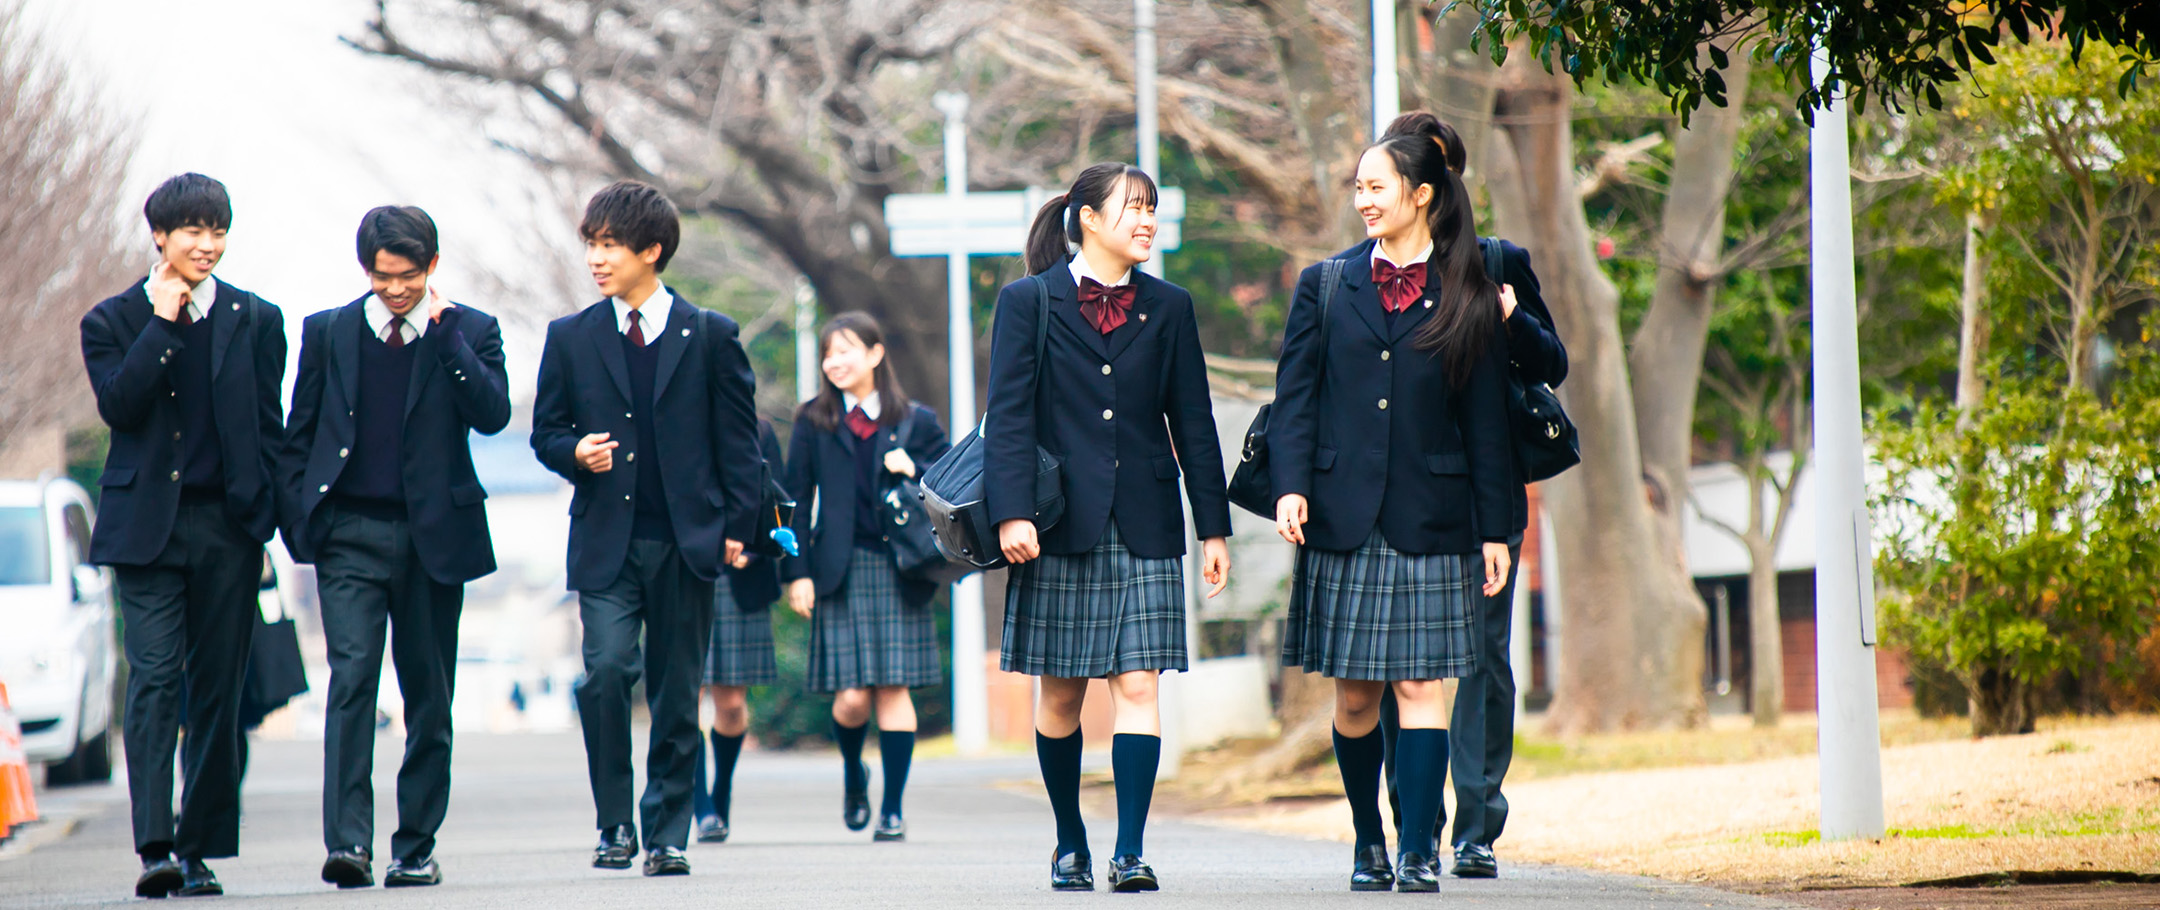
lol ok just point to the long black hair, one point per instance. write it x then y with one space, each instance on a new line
824 411
1423 149
1057 224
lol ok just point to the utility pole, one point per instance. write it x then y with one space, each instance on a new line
1386 84
807 367
971 701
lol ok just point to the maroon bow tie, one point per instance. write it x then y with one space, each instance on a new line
1400 286
860 423
1105 307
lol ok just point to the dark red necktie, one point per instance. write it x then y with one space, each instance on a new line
1400 286
186 318
635 333
1105 307
859 423
396 338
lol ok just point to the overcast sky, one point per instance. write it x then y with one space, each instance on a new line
309 134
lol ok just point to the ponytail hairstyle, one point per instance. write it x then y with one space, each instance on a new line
824 410
1427 151
1057 225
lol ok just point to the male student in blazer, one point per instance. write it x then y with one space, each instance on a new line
655 516
186 370
381 496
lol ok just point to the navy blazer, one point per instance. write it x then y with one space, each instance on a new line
1534 353
1137 396
821 468
126 350
707 450
458 386
757 585
1436 483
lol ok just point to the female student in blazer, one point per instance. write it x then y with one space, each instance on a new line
739 655
871 633
1390 455
1121 395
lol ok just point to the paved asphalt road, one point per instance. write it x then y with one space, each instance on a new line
520 834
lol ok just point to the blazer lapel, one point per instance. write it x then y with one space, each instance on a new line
424 365
1144 299
607 341
1418 311
1364 297
347 327
1065 302
675 338
224 325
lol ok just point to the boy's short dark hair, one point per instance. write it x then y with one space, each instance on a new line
401 230
637 215
189 200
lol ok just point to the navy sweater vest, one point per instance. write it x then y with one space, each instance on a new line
651 519
202 467
375 475
869 469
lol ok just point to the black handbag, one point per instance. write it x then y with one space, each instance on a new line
952 490
1252 487
1545 440
907 528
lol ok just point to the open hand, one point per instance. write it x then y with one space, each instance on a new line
1215 564
1290 517
1496 568
802 596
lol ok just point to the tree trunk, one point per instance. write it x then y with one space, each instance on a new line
1634 650
1973 327
2001 704
1326 126
1766 639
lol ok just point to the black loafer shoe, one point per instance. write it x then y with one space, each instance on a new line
666 861
1370 870
1415 872
855 810
1475 861
412 873
1128 873
1072 872
350 867
160 876
618 845
890 828
712 829
196 880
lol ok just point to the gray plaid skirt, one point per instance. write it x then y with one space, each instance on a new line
741 652
1378 614
1095 614
866 636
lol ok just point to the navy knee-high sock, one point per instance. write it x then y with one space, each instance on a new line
851 742
1060 761
1421 770
896 751
1358 758
726 751
1134 758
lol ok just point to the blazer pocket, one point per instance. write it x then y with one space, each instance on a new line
467 494
1166 467
116 477
714 499
1448 463
1323 459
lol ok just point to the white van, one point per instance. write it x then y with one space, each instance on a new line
59 650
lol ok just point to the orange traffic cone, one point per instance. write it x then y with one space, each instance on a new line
17 803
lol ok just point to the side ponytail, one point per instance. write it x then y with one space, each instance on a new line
1046 240
1057 224
1426 150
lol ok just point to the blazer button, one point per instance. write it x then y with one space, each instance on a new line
626 416
626 497
1384 355
1106 369
325 488
176 435
633 457
1106 414
341 453
176 475
1383 404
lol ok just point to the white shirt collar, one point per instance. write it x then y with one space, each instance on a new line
869 405
1080 269
652 314
1424 255
200 297
378 320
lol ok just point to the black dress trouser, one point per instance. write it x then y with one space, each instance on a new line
1481 736
188 616
368 574
656 591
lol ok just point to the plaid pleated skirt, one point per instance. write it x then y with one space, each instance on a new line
1095 614
741 652
1375 613
866 636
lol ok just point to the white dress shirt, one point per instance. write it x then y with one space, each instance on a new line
661 302
869 405
1424 255
378 320
1080 269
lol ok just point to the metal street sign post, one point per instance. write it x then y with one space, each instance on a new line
957 224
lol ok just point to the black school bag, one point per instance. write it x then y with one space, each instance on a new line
1545 442
908 527
952 489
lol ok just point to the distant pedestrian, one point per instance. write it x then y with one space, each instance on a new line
1389 450
1120 393
739 656
872 636
188 372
